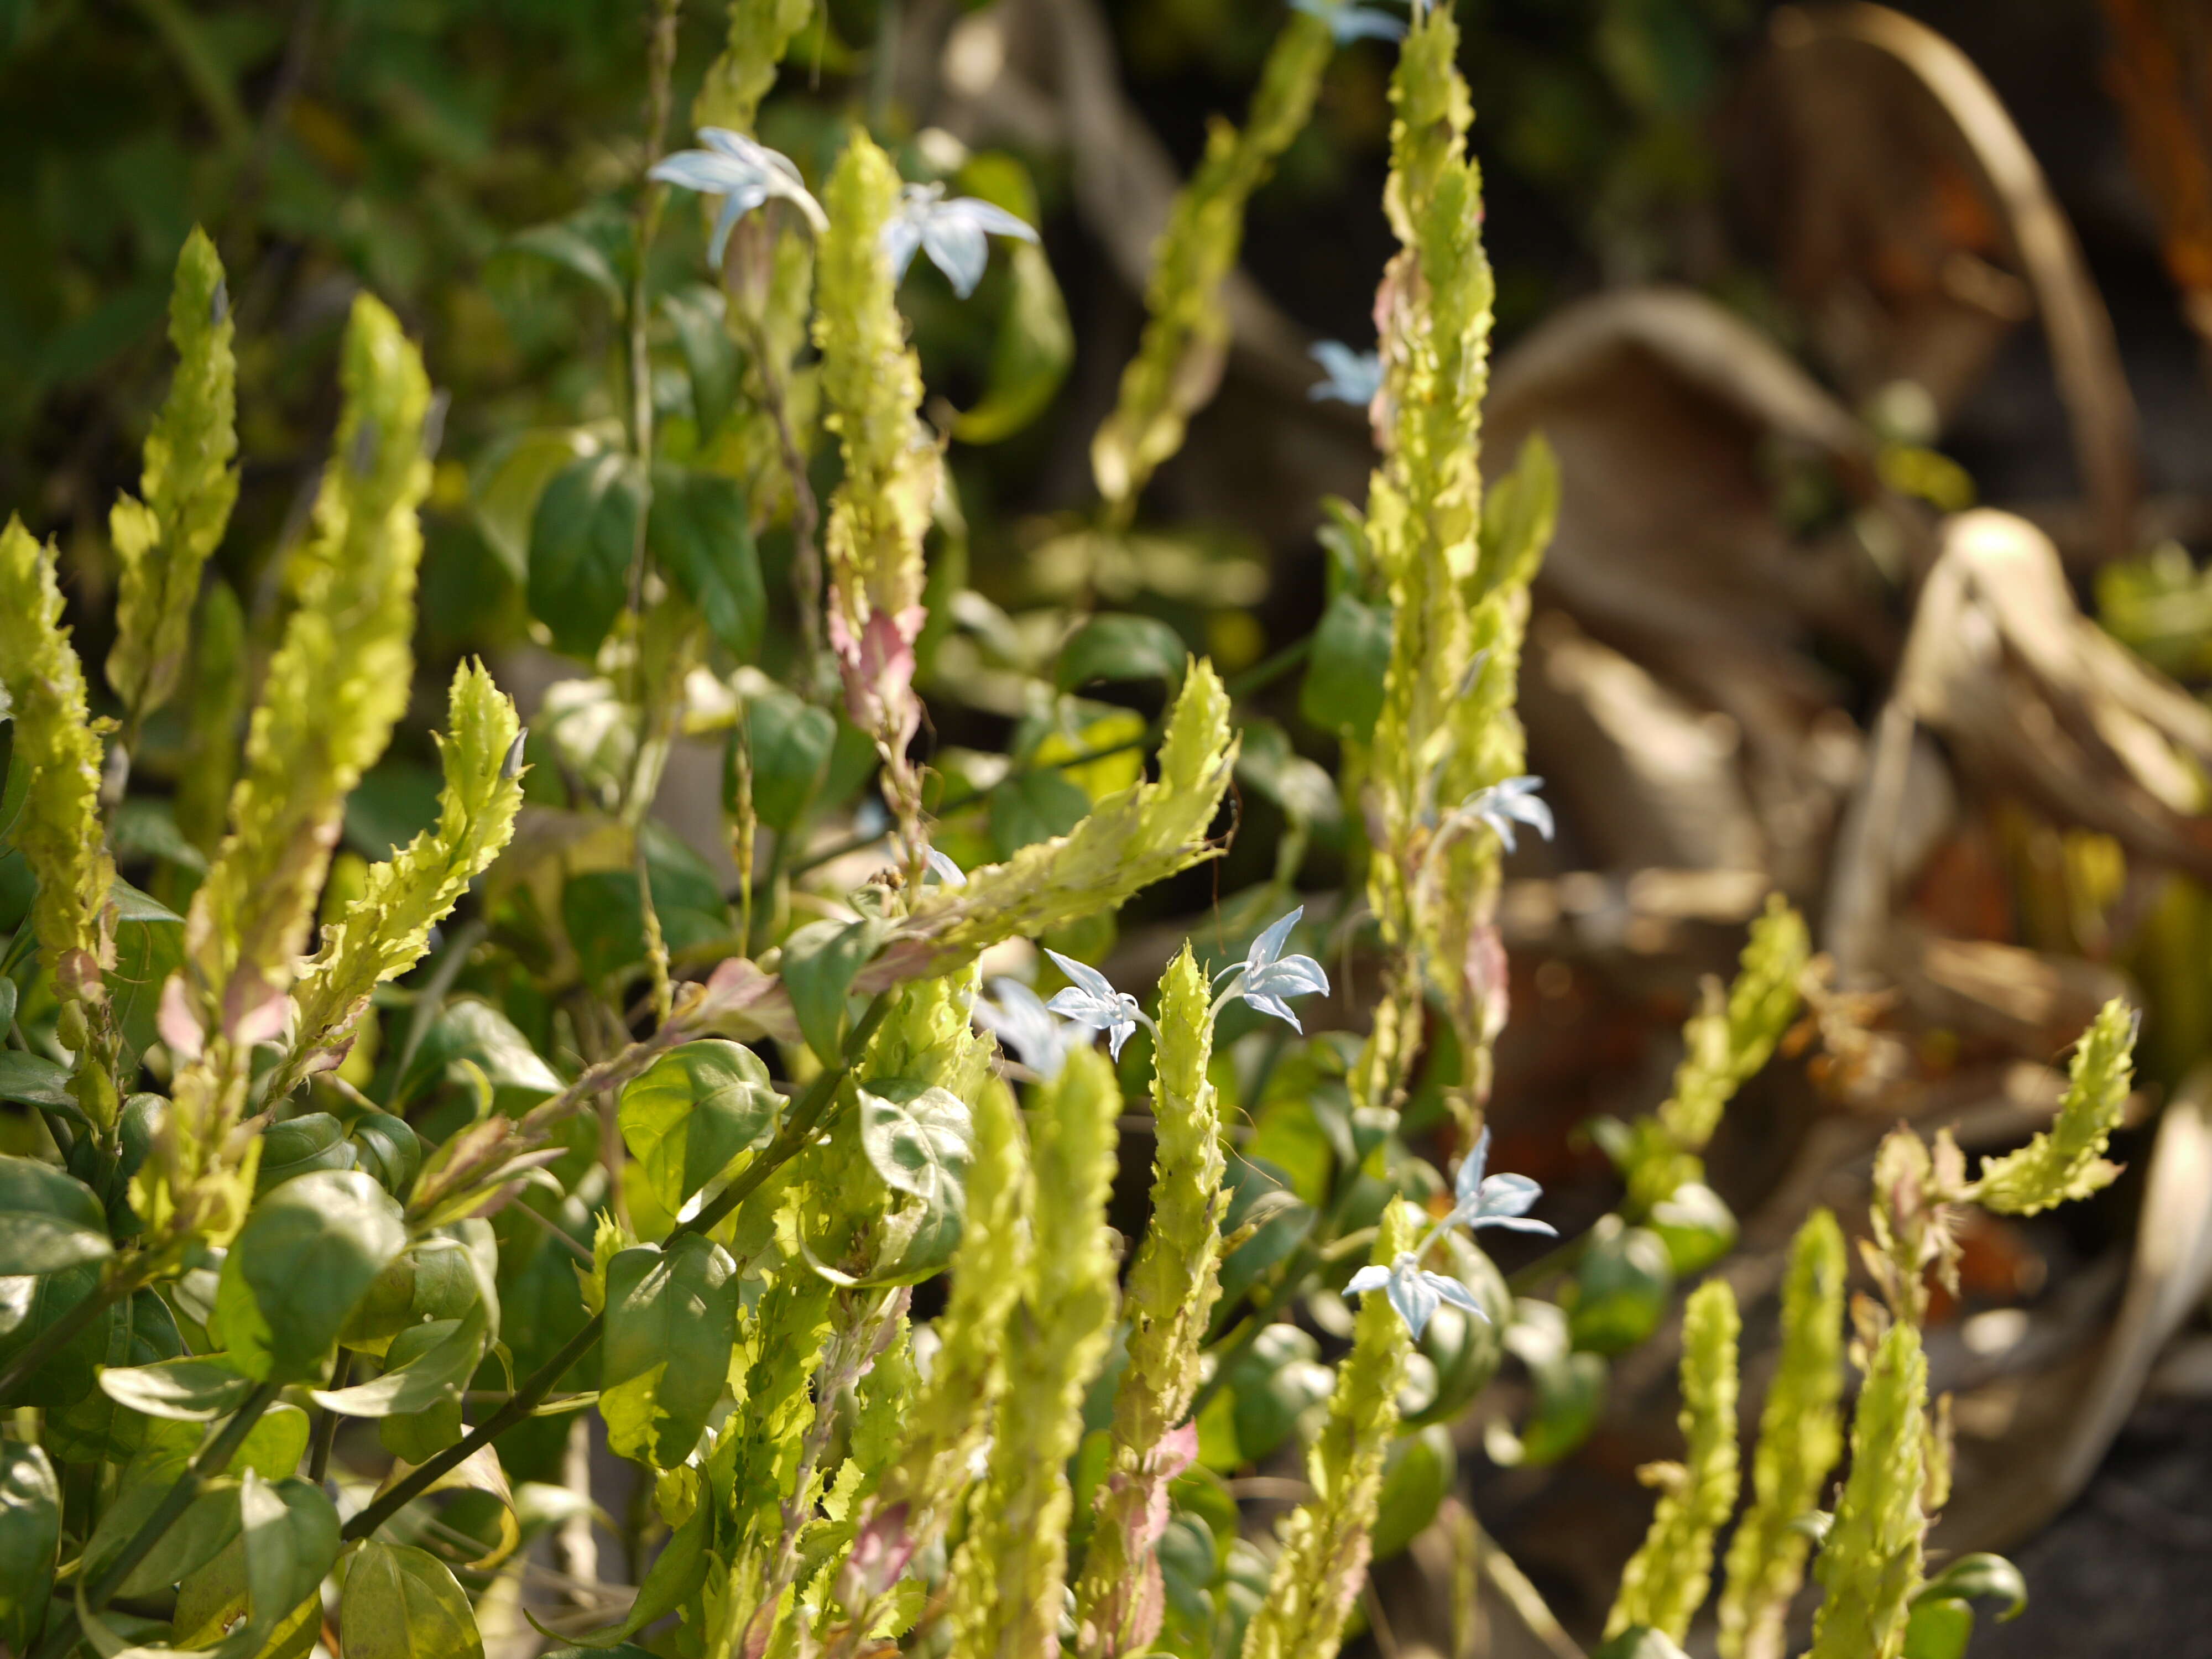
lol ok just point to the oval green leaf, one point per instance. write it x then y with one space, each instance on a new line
671 1320
304 1259
695 1110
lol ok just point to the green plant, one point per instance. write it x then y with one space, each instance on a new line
619 1142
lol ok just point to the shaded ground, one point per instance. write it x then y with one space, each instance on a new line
2128 1569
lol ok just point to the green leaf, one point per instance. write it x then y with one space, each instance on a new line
1620 1292
1122 647
395 801
820 962
425 1419
675 1572
291 1531
48 1220
1519 512
400 1602
1028 807
133 905
1570 1391
1343 687
672 1321
583 537
270 1451
83 1425
1981 1576
301 1145
1272 1384
1418 1476
592 242
1696 1225
701 534
446 1353
389 1148
606 923
148 949
305 1258
33 1080
709 356
1939 1628
468 1028
511 479
30 1540
921 1140
1269 765
791 746
133 1332
1030 357
1465 1351
191 1389
695 1110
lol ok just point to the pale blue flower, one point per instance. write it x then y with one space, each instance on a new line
1019 1019
1414 1292
1503 805
946 872
1354 377
1349 22
1266 976
1091 1000
744 174
951 232
1499 1200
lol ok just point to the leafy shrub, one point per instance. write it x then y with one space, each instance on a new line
689 1160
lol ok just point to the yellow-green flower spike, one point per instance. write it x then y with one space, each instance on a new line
1724 1045
1007 1589
335 685
871 382
1173 1285
164 535
1178 361
1144 834
760 33
1325 1541
384 932
1799 1437
1665 1581
1870 1563
953 1412
2067 1161
59 831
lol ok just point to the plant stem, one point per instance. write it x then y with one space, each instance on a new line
214 1457
807 1113
326 1425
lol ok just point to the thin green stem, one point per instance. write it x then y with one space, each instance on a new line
214 1458
326 1425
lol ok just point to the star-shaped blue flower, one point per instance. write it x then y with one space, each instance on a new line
746 173
1020 1020
1499 1200
951 232
1091 1000
1354 377
1414 1292
1266 976
1503 805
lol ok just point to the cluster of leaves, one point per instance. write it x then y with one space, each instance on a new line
293 1151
